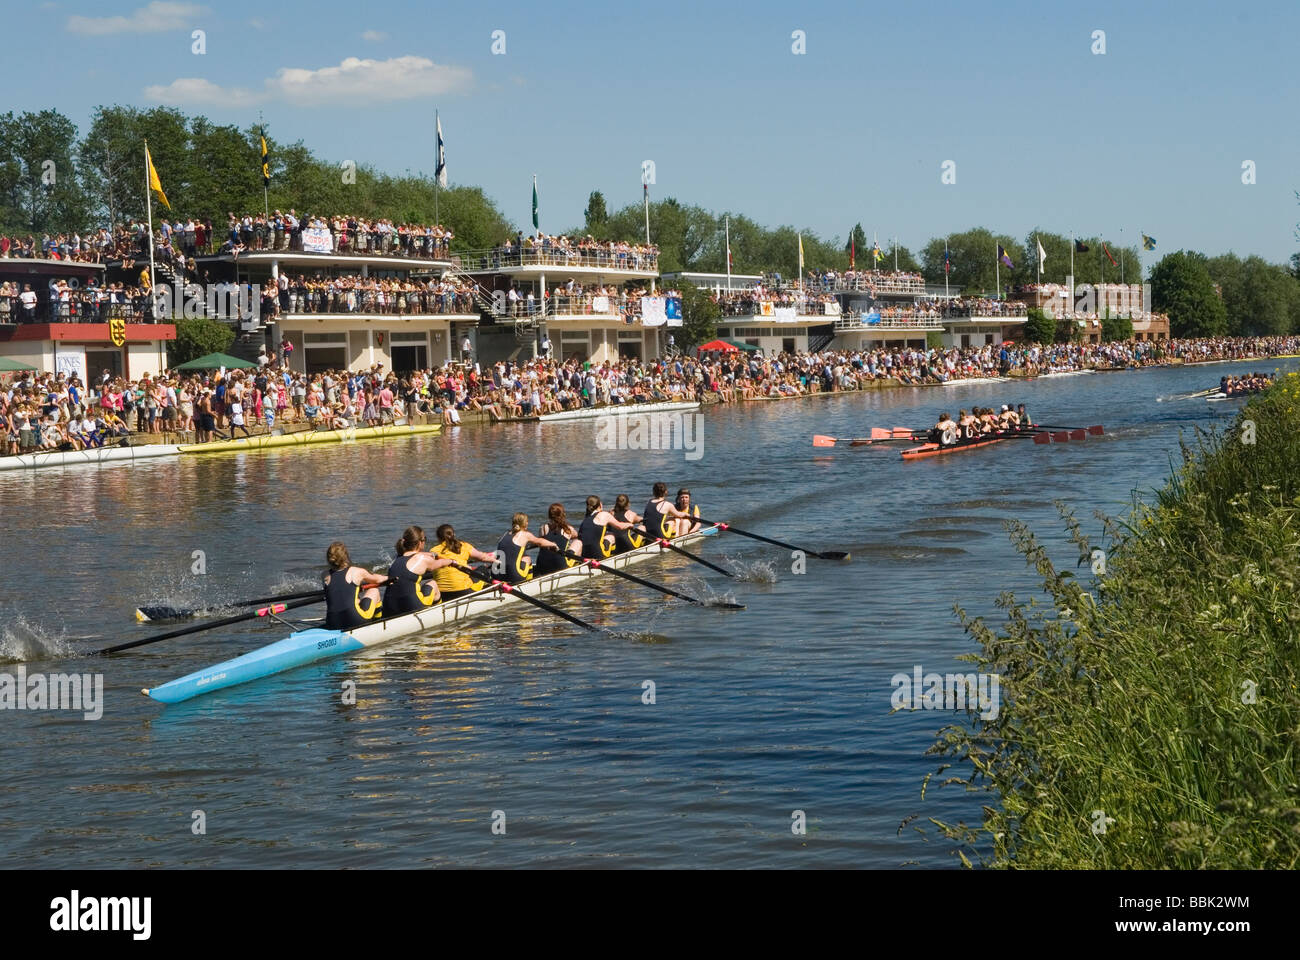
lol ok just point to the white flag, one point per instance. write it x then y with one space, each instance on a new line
441 171
1042 254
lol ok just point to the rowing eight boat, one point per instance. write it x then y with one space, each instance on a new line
936 449
309 646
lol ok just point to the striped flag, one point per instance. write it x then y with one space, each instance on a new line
1004 257
1148 243
266 163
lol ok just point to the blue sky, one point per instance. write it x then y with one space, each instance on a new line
1150 136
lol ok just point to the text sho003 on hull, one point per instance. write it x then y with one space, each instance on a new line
310 646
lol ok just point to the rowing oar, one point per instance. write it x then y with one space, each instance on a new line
821 555
262 612
597 565
878 435
669 545
187 613
1060 436
1096 430
510 589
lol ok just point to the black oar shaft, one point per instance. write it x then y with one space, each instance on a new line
822 555
176 613
510 589
669 545
597 565
226 621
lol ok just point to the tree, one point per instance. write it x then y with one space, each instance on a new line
699 316
40 191
973 256
1040 328
1116 328
596 214
196 337
1182 288
857 241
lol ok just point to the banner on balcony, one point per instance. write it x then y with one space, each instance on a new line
673 310
831 309
785 315
653 312
600 304
765 308
317 240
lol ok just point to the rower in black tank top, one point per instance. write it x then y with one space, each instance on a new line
659 524
346 609
407 592
518 567
625 540
553 561
592 535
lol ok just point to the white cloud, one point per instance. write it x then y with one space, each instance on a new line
374 36
369 81
192 91
157 17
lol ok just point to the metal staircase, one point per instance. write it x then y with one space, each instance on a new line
525 327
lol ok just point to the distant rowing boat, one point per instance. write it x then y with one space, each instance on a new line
619 410
267 441
95 455
316 644
938 449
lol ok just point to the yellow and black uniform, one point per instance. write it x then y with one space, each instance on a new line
592 535
451 582
518 567
625 540
407 592
659 524
552 561
345 608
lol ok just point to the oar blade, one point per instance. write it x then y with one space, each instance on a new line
1097 430
819 440
1042 438
1078 434
835 555
1061 436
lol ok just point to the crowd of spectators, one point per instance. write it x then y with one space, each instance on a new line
52 412
546 249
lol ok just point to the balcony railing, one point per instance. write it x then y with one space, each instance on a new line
133 308
871 284
500 258
764 308
393 302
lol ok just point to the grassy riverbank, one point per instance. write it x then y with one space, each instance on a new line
1161 700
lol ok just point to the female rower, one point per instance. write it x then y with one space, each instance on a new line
691 523
452 583
568 546
629 538
945 431
409 586
511 550
351 597
967 425
659 514
597 541
1024 417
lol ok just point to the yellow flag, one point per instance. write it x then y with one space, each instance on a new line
801 254
154 183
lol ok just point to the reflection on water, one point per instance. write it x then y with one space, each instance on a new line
782 706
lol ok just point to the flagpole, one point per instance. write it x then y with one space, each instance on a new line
148 201
437 159
726 226
997 266
945 268
1070 280
1039 272
645 187
266 203
895 254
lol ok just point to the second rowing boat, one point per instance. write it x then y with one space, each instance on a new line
936 449
309 646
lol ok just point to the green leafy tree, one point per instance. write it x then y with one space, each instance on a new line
1182 288
858 240
1259 296
1040 328
1116 328
198 336
596 215
112 160
40 191
973 256
699 316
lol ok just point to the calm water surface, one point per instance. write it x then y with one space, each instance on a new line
783 706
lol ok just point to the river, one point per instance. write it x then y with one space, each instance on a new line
524 720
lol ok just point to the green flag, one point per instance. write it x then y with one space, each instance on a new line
535 203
